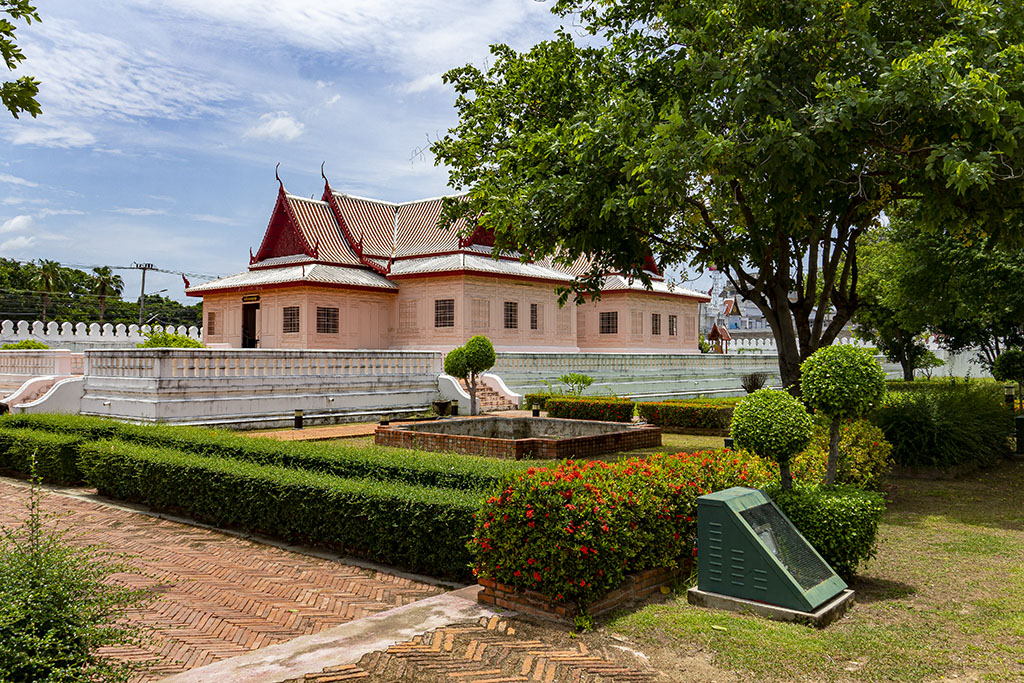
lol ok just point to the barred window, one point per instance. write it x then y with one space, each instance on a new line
211 323
511 315
481 314
536 317
637 323
407 315
291 319
326 320
655 323
444 313
609 322
672 326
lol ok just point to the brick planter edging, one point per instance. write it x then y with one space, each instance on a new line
638 585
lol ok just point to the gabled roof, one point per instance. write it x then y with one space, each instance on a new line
302 227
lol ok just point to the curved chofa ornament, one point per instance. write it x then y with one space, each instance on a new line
276 176
322 164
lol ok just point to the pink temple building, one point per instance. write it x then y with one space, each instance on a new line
351 273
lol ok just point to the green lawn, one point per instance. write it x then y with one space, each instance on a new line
942 600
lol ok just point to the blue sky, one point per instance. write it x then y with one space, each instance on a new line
162 122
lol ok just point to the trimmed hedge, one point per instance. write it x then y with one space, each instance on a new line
56 454
422 529
383 464
688 415
706 414
840 522
605 409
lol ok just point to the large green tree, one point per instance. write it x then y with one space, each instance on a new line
764 136
50 277
105 283
20 94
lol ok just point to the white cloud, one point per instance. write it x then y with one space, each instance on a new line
134 211
60 212
15 180
277 126
16 224
16 243
210 218
426 82
44 135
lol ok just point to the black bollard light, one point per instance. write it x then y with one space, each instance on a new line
728 443
1008 395
536 410
385 419
298 419
455 408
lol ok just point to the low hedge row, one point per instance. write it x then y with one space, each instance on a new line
56 455
695 414
574 531
422 529
384 464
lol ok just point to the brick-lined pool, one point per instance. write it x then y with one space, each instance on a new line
520 437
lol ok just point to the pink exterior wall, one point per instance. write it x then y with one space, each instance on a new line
362 318
635 335
480 309
406 320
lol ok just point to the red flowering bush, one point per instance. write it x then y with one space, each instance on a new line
606 409
688 415
574 531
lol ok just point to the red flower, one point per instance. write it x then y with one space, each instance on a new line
536 577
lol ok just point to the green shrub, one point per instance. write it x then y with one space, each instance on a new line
1009 367
840 522
55 454
688 415
58 606
170 340
422 529
954 425
574 531
841 382
539 399
384 464
606 409
24 345
577 382
865 457
773 425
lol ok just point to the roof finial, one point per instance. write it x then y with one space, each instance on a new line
277 176
322 171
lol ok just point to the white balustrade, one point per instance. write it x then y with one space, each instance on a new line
79 336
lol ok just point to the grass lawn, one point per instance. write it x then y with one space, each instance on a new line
943 600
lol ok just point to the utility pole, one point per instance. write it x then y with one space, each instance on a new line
142 297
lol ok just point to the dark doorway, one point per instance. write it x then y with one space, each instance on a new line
249 338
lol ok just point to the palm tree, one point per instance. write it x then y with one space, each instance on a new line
49 277
104 284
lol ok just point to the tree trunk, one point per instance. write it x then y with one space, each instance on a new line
908 370
833 452
785 475
472 394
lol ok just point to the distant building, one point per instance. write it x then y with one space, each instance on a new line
348 272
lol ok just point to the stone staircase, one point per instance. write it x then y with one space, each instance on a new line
489 400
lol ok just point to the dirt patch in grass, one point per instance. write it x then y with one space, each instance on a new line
941 601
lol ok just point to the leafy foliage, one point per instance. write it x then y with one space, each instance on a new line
468 362
692 414
1009 366
18 96
865 457
840 522
773 425
52 457
764 138
577 382
954 424
170 340
455 363
58 606
753 381
24 345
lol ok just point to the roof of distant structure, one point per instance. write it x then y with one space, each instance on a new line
351 241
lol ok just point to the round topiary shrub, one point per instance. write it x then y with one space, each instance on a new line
774 425
467 362
841 382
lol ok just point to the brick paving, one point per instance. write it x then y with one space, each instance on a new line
492 650
218 596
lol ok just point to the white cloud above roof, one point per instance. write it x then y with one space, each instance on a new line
276 126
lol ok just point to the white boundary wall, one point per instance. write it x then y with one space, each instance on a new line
80 336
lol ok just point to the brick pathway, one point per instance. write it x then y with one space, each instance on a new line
489 651
219 596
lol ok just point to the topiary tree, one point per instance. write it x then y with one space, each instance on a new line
467 362
1009 367
841 382
773 425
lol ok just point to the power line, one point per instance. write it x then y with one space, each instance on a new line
81 266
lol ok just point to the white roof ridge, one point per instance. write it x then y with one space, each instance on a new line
395 204
321 202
